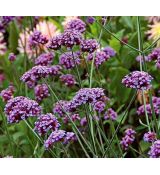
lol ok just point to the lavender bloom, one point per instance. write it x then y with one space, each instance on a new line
89 45
7 94
32 76
138 80
128 139
71 38
100 58
55 136
99 106
155 150
149 137
76 24
156 106
60 108
41 91
109 51
154 54
69 60
55 43
37 38
139 57
12 57
87 95
68 79
44 59
46 122
90 19
110 114
20 108
70 136
83 121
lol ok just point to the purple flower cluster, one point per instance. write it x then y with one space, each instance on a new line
155 150
158 62
46 122
90 19
99 106
149 137
154 54
69 59
55 43
138 58
138 80
7 94
110 114
100 57
68 80
20 108
61 107
12 57
76 24
156 106
128 139
33 75
87 95
83 121
89 45
4 21
41 91
37 38
44 59
70 136
109 51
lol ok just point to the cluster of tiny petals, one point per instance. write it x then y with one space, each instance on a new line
32 76
83 121
90 19
149 136
76 24
68 80
7 94
37 38
69 60
20 108
138 80
154 54
44 59
140 58
70 136
12 57
155 150
46 122
70 38
41 91
128 139
87 95
109 51
55 43
156 106
61 107
55 136
110 114
89 45
100 58
158 62
99 106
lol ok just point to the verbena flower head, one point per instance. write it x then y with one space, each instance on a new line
155 150
55 136
158 62
7 94
20 108
109 51
70 137
12 57
138 80
83 121
71 38
139 57
41 91
37 38
76 24
60 107
55 43
69 59
75 117
156 106
100 58
44 59
46 122
110 114
128 139
89 45
90 19
154 54
99 106
149 136
68 80
32 76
